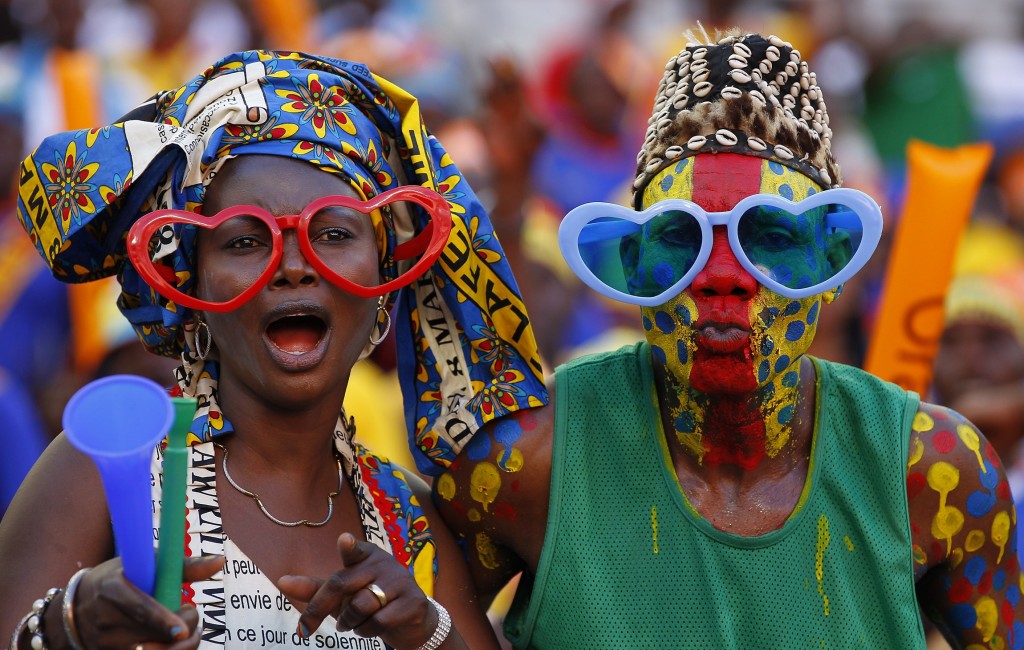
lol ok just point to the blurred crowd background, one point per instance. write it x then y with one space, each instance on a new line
543 104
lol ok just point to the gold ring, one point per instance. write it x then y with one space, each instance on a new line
379 593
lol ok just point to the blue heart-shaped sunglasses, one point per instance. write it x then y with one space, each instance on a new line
794 249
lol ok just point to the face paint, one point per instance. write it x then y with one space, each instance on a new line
726 337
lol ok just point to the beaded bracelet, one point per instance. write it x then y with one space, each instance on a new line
444 626
34 623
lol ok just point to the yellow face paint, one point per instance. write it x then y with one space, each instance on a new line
780 329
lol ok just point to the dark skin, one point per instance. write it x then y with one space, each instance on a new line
979 371
284 408
732 474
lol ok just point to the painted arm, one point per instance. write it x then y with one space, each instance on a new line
495 496
454 587
964 533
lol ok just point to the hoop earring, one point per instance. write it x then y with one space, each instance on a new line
387 325
203 350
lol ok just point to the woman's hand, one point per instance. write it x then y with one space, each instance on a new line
111 612
403 617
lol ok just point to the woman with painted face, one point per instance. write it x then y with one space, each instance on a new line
713 486
264 220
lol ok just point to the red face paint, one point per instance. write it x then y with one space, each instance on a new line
723 289
728 442
722 292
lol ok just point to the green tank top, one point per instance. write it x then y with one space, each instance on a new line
627 563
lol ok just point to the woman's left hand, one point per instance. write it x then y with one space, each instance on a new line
402 617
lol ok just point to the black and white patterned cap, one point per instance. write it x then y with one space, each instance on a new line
747 94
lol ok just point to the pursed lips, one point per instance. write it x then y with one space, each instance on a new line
723 329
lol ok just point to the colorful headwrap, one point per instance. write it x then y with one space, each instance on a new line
993 299
467 351
749 94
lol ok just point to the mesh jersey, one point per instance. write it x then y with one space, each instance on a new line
627 563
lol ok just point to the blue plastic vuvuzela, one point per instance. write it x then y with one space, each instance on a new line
118 421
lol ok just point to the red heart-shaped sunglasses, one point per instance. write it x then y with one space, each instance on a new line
145 240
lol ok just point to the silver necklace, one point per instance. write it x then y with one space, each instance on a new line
255 497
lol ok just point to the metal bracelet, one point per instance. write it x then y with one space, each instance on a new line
68 611
444 626
18 629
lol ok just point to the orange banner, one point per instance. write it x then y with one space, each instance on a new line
78 78
286 23
941 188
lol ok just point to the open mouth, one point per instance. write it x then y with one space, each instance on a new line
298 334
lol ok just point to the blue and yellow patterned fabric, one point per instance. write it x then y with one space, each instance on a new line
467 351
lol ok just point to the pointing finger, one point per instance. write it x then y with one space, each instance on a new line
353 551
299 588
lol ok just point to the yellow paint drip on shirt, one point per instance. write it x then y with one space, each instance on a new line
824 537
654 528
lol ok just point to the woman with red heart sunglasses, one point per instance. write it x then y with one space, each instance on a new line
265 221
